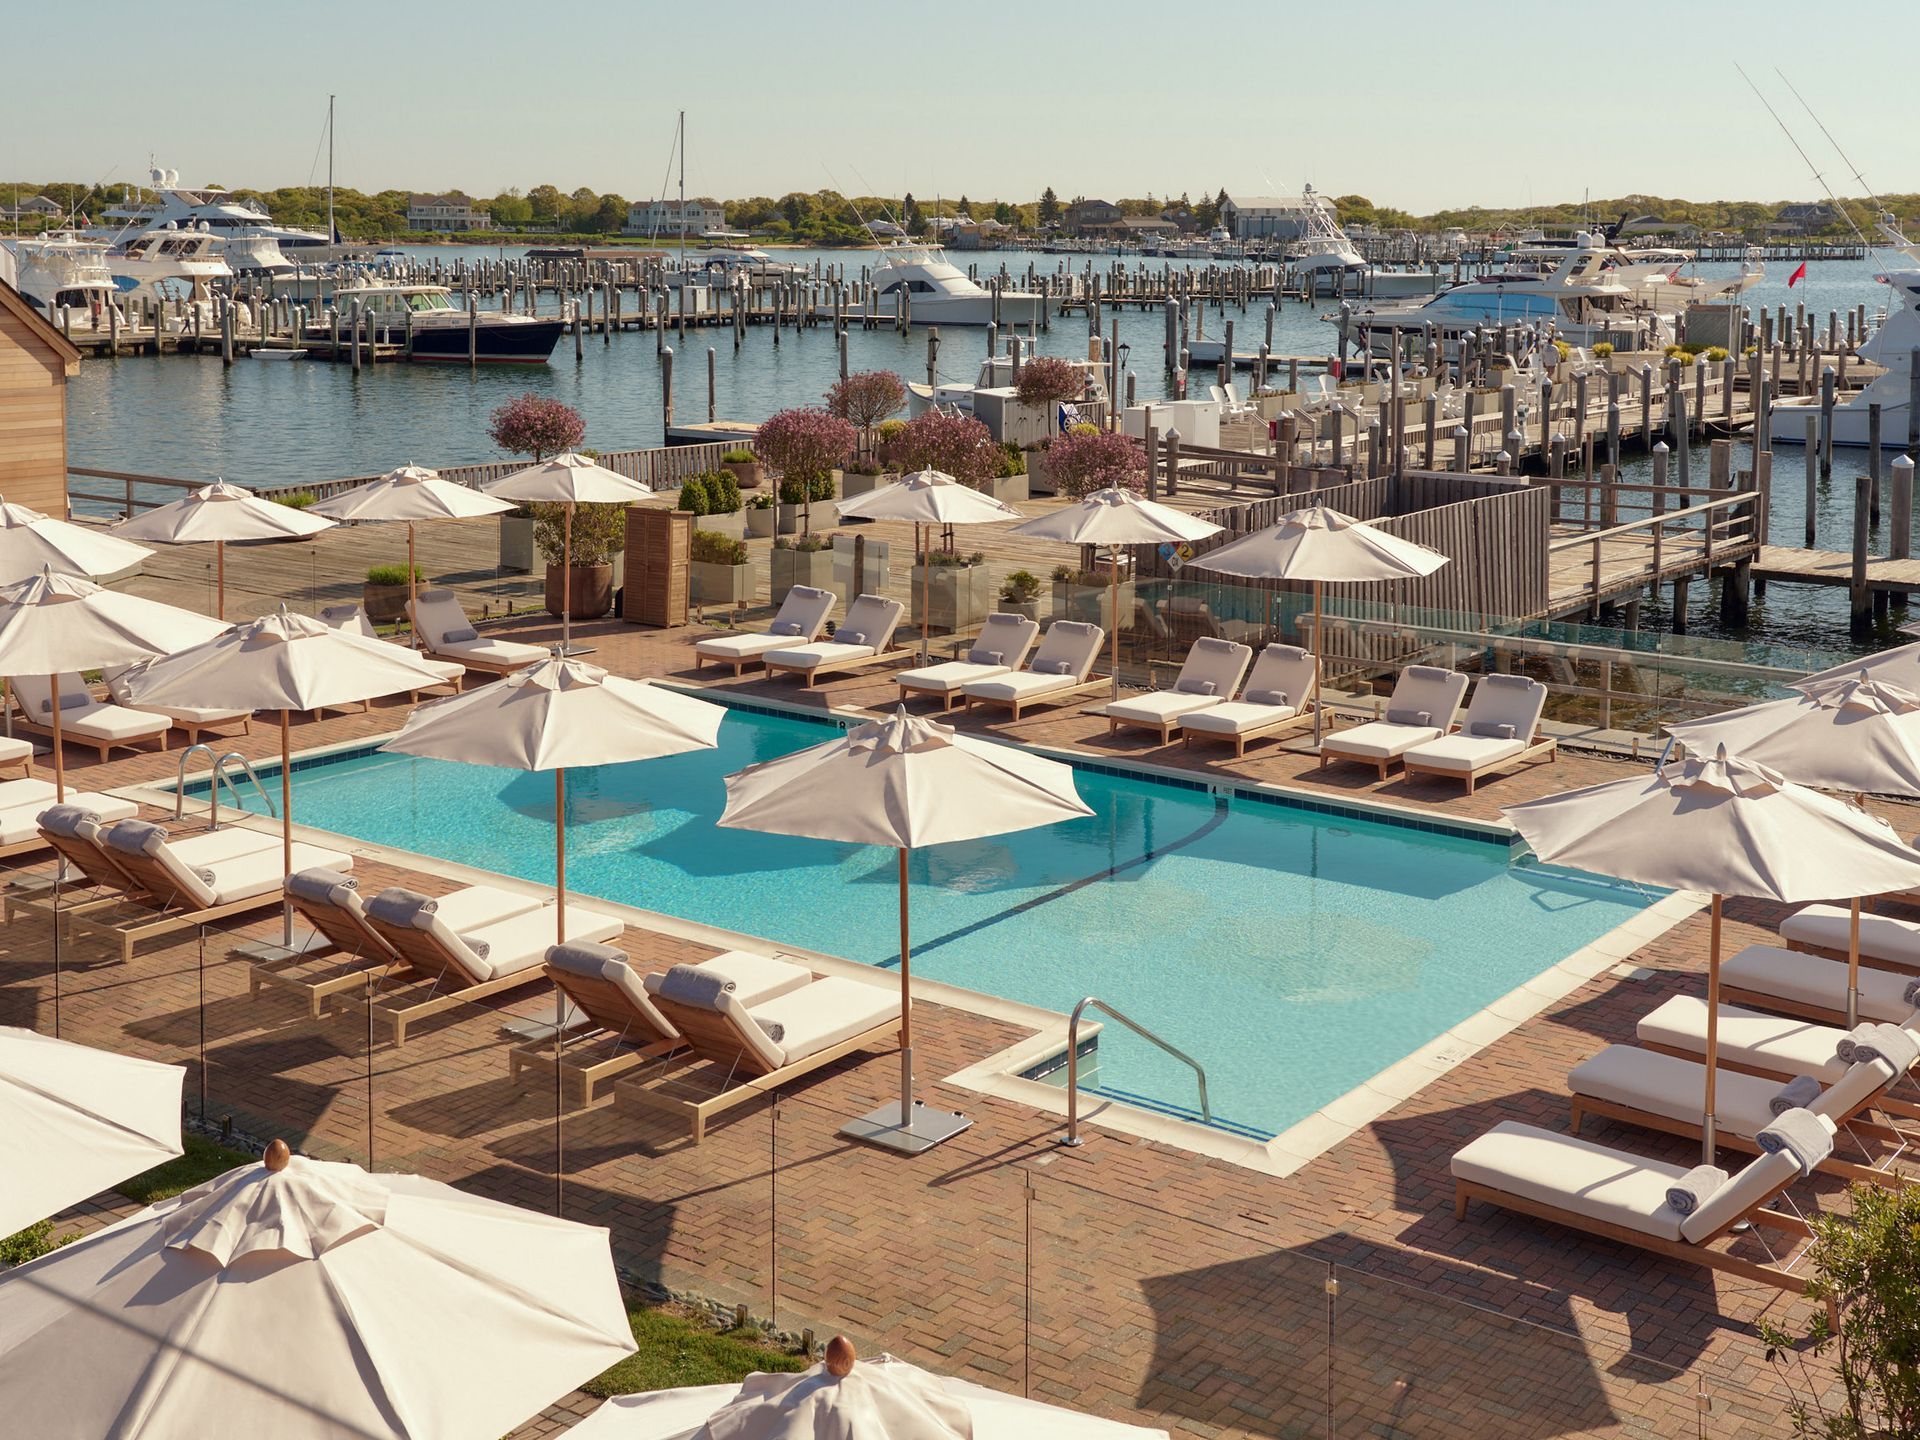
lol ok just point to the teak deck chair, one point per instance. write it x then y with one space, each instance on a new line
803 615
447 634
1060 670
1003 645
1281 696
864 639
1209 676
1501 728
1423 705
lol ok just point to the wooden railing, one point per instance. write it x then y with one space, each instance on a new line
1726 531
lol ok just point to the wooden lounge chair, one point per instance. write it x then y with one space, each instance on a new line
83 719
1003 645
625 1027
75 831
180 889
818 1024
352 620
1790 982
195 721
1501 728
15 751
1886 941
1281 696
1668 1094
445 633
352 950
1616 1195
20 829
803 615
1059 671
863 640
444 968
1209 676
1423 705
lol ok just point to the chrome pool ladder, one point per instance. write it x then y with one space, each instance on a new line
217 777
1072 1136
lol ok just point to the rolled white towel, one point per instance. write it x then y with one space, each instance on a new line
1798 1093
1800 1134
1911 995
1849 1047
1695 1188
1890 1043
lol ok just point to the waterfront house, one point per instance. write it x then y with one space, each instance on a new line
449 214
35 362
1270 217
674 217
1086 217
887 230
1804 218
30 211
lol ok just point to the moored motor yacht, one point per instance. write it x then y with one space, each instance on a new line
435 328
939 293
64 270
1891 346
166 257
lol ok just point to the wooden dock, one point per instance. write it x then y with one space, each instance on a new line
1785 565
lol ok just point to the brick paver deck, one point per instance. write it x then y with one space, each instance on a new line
1130 1276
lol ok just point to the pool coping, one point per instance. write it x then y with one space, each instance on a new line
1003 1073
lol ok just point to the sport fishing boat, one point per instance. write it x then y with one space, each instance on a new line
1891 345
170 261
940 293
435 328
63 268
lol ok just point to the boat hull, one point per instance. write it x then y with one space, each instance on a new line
528 342
1787 422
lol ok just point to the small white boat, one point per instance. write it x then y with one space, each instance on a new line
279 354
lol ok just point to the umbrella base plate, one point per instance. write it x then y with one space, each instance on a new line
925 1128
256 951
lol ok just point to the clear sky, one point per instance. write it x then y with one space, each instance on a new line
1421 106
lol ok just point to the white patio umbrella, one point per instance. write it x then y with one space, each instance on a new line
74 1120
411 494
31 542
1899 666
568 479
310 1301
558 715
879 1399
906 783
1114 517
218 513
51 624
281 662
1726 826
1322 545
1860 735
927 498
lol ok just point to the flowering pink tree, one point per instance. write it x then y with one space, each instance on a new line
535 425
959 445
804 445
865 398
1085 460
1048 380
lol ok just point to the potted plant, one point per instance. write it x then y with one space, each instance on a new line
1045 383
535 425
1089 595
1020 594
1085 460
791 510
1009 482
857 477
760 516
724 502
384 596
953 590
805 445
599 532
803 560
956 445
744 468
865 399
718 571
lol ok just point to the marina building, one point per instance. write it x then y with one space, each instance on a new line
35 364
1271 217
675 217
449 213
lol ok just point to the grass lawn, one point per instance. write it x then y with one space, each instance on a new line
679 1346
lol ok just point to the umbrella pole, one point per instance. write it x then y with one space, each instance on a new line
1319 710
1853 965
286 823
1708 1138
566 582
560 857
1113 611
924 538
59 751
559 995
220 579
413 592
906 1007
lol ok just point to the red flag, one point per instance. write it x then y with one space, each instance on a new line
1797 276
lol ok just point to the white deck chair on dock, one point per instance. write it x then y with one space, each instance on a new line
1423 705
1059 671
1210 675
1003 645
803 615
865 638
1501 727
1281 695
447 634
85 720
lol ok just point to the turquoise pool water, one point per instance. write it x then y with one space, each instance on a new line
1293 953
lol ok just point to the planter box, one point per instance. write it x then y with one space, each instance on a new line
788 521
1037 482
1009 491
732 524
851 485
1028 608
958 597
759 522
746 472
1091 603
590 590
383 602
801 567
516 543
725 585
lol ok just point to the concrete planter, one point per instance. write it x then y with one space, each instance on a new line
957 597
732 524
788 519
747 472
589 587
729 586
1028 608
1009 491
851 485
801 567
1037 482
1091 603
383 602
760 519
516 543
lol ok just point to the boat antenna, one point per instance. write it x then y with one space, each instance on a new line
1887 224
1818 175
834 180
333 235
683 191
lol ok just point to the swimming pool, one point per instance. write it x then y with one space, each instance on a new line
1293 952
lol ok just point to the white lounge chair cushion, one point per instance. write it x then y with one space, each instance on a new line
211 846
802 613
1462 754
1676 1089
757 978
1236 717
1004 640
1505 702
193 714
739 647
1429 688
518 942
1882 937
1285 668
1568 1173
21 823
1810 980
823 1014
26 792
1747 1037
492 652
1159 706
1020 685
88 718
821 652
949 678
1379 740
245 876
13 748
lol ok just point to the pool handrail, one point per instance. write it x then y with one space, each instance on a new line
1072 1137
216 776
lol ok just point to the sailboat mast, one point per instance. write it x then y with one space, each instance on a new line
683 193
331 232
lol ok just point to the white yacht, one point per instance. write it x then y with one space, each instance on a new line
1568 288
170 261
1891 345
939 292
1662 276
65 268
247 235
1323 251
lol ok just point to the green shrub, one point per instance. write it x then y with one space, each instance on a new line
1603 350
761 501
710 547
820 487
887 429
723 493
737 457
598 532
30 1244
1716 354
393 574
1020 587
298 500
805 544
693 495
1013 461
792 492
939 558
